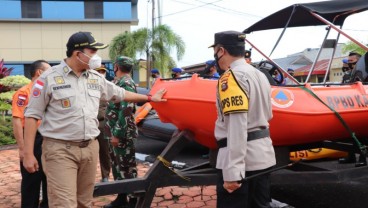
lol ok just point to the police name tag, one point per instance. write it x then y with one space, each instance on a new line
232 96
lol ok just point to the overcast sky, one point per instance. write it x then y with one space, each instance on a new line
196 21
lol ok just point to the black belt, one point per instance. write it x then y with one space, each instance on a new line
251 136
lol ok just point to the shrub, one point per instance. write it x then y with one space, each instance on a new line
6 132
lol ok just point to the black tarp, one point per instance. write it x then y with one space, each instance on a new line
334 11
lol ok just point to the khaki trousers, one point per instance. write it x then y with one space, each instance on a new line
70 172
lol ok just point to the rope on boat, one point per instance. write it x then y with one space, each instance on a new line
362 148
168 165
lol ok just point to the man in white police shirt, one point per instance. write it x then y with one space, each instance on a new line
242 128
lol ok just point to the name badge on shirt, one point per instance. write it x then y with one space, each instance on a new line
62 87
232 96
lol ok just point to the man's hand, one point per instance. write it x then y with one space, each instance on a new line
231 186
157 97
114 141
30 163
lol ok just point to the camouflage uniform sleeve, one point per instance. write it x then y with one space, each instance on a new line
125 126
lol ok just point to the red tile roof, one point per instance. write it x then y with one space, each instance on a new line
319 68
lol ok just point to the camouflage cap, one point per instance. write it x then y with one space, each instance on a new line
124 61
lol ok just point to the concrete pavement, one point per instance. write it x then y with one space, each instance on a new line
168 197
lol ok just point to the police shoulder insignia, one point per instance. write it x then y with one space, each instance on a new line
223 80
59 80
232 96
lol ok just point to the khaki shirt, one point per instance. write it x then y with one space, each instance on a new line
67 104
240 156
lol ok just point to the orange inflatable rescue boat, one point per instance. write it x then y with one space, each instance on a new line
191 105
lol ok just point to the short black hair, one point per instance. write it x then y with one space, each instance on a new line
353 53
234 50
36 65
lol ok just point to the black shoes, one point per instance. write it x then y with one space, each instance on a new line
114 206
121 201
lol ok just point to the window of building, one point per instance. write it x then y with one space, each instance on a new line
10 10
31 9
63 10
93 9
117 10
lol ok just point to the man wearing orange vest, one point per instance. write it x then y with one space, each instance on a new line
30 185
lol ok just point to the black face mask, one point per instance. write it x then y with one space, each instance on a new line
173 75
217 59
153 75
351 65
345 68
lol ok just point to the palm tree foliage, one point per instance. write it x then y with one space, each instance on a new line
157 44
122 44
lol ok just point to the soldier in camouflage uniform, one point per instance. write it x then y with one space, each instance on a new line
121 130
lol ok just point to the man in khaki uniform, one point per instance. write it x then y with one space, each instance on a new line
242 128
67 98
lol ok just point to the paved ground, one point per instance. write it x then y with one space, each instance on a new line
168 197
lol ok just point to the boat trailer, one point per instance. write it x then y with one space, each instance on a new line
285 174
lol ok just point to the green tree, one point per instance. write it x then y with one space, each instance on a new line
157 44
122 44
351 46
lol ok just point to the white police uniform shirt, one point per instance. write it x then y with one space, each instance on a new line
240 155
68 105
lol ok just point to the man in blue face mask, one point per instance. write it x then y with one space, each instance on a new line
242 127
67 99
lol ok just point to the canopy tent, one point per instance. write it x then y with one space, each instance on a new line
298 15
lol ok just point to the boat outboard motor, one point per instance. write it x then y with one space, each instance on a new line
360 72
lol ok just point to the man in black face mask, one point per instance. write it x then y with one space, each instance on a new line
155 74
351 62
176 73
242 130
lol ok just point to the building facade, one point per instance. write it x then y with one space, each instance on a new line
32 30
